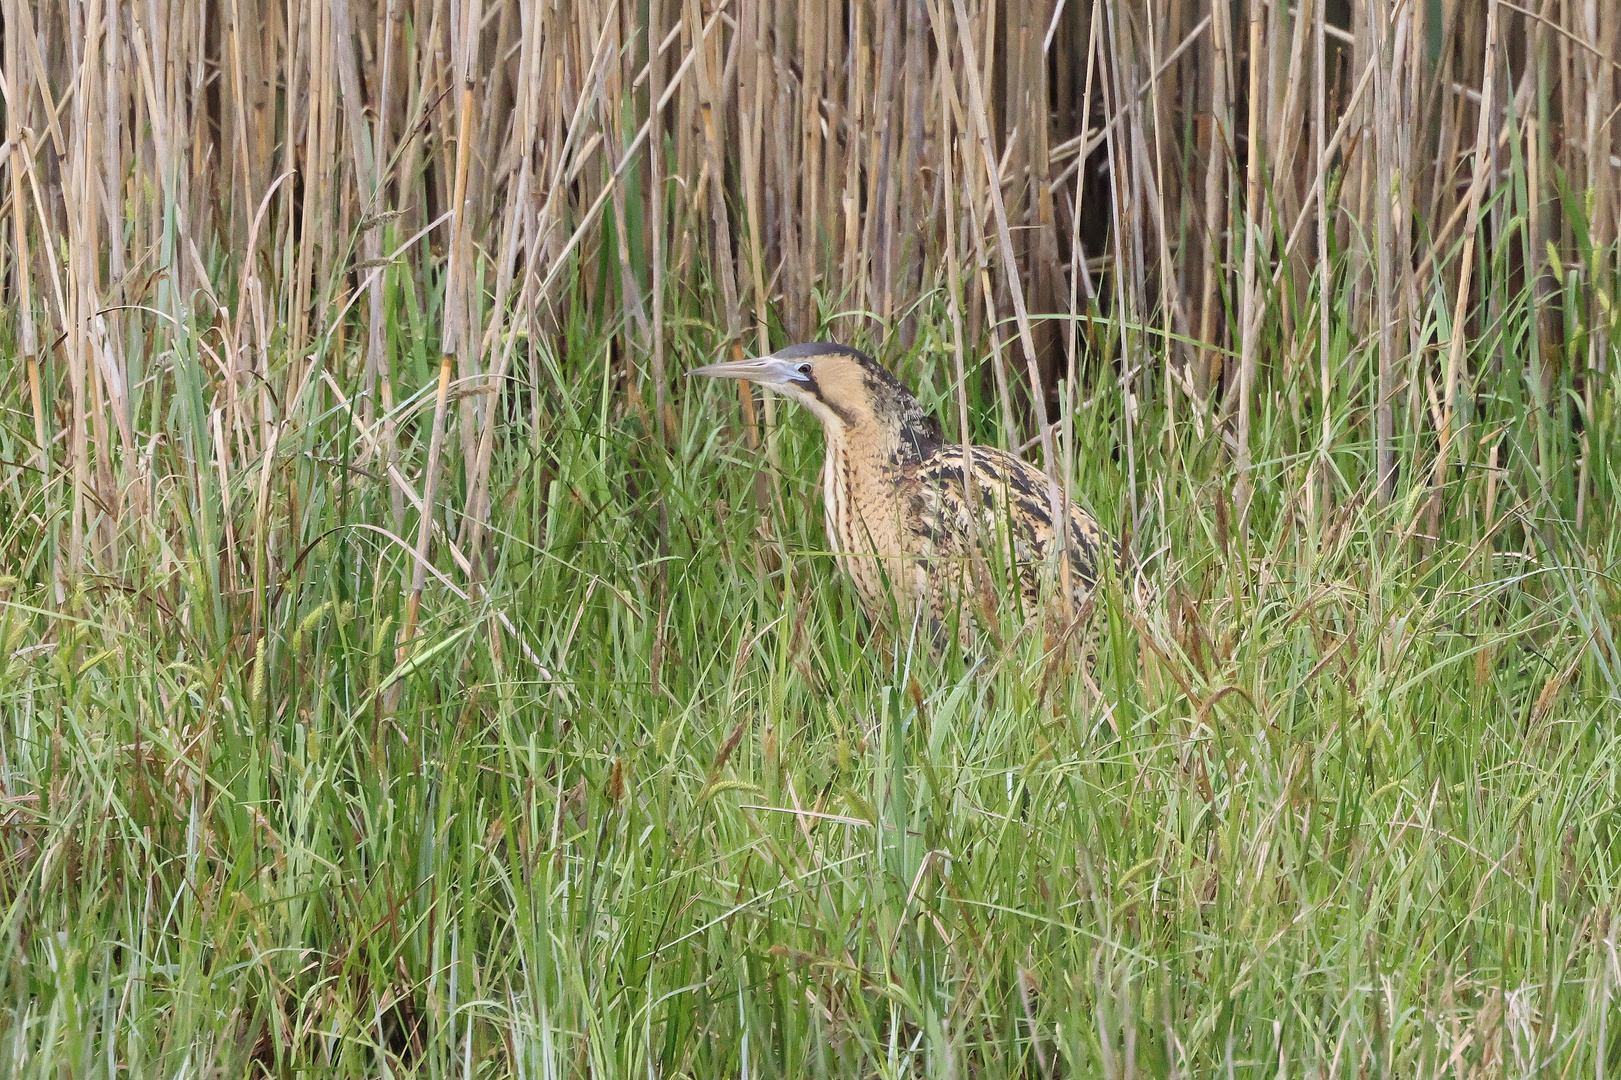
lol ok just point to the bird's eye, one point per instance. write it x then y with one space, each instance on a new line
805 369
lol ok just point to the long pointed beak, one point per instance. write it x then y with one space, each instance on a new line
766 370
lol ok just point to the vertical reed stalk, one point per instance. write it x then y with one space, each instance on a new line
1249 320
1483 159
454 331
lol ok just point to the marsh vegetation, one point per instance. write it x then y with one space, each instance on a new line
405 671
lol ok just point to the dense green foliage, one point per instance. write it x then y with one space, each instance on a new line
1344 798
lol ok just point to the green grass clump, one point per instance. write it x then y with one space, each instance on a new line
654 799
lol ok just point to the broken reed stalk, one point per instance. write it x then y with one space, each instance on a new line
455 332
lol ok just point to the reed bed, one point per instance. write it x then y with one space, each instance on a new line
406 671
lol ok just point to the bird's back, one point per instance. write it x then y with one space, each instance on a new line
943 526
1005 514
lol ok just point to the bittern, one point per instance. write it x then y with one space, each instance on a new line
910 516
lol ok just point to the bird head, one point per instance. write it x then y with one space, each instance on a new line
848 391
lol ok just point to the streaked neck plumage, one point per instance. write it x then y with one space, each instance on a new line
869 452
880 424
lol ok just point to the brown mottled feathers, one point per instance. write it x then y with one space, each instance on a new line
1014 515
925 550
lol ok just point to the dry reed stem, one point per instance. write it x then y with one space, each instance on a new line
1466 262
1249 318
